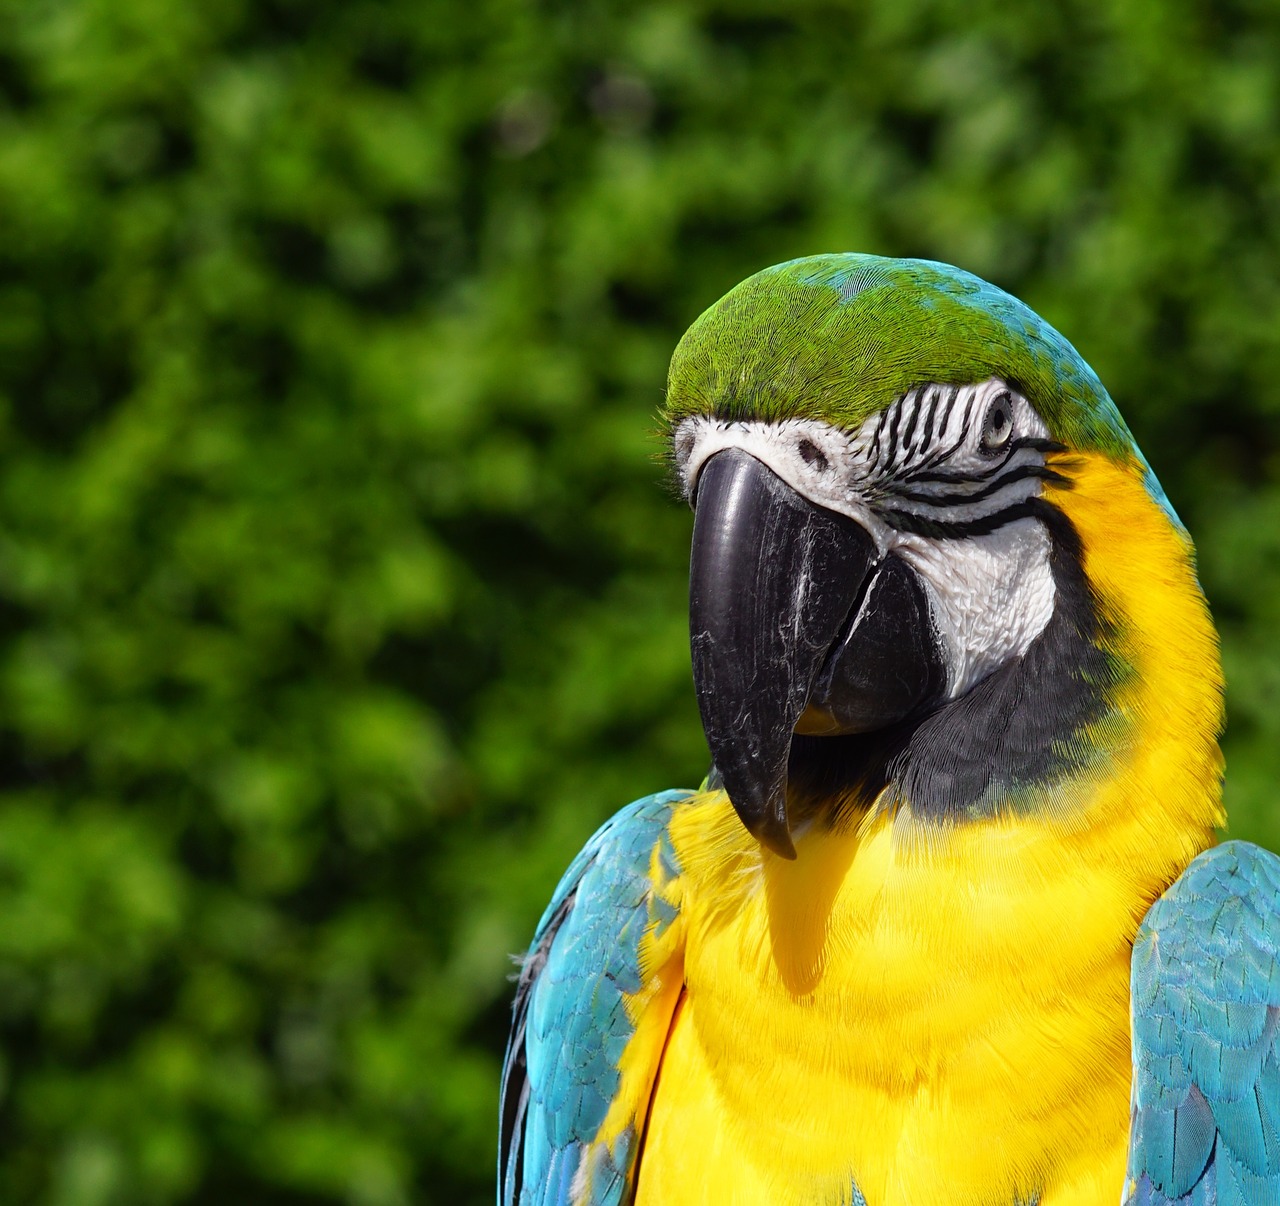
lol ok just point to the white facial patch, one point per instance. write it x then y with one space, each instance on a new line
941 478
818 461
990 596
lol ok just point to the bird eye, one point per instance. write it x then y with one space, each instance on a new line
997 427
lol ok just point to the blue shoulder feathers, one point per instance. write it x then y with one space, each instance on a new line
1206 1015
571 1024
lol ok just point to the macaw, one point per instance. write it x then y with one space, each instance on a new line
946 922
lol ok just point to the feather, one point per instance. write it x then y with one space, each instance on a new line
1206 1093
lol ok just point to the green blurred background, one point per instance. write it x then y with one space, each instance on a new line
340 591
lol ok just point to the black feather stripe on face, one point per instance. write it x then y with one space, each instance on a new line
929 473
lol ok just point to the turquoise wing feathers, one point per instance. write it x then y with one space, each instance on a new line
570 1022
1206 1017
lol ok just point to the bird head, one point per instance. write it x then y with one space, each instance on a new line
913 499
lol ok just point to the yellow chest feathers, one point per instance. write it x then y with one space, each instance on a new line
881 1014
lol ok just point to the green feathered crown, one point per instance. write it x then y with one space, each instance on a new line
839 337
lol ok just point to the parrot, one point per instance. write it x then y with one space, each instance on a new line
949 920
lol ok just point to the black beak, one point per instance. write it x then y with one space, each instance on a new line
794 623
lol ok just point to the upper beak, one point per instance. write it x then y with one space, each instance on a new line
793 622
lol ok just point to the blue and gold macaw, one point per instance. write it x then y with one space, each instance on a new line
946 923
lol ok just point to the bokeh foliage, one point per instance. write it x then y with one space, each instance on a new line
341 596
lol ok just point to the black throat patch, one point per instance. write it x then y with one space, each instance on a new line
1037 720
